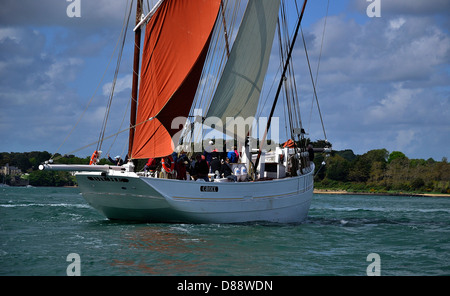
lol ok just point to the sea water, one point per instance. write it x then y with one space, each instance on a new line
41 229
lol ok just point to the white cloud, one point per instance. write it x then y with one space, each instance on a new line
383 83
381 50
397 23
64 69
398 106
123 83
10 33
405 138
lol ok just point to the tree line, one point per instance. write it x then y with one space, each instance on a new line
381 171
374 171
28 163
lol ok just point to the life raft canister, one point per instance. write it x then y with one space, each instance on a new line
94 158
165 166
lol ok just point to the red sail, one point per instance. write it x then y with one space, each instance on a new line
176 43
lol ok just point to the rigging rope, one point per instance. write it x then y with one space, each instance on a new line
116 73
90 100
314 87
105 138
121 124
318 62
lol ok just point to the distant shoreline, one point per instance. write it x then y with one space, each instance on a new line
343 192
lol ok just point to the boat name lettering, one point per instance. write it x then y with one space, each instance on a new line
209 188
107 179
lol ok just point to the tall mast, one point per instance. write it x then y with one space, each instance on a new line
134 90
286 65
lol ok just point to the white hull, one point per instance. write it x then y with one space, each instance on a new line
127 196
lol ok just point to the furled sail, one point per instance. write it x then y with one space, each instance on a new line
175 48
239 89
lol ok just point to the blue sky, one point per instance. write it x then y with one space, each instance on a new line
383 81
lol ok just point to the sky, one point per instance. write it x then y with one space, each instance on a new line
383 81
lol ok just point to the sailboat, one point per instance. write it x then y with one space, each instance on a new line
272 186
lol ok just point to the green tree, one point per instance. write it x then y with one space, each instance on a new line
50 178
377 172
361 169
397 174
41 178
417 184
346 154
337 168
380 155
395 155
